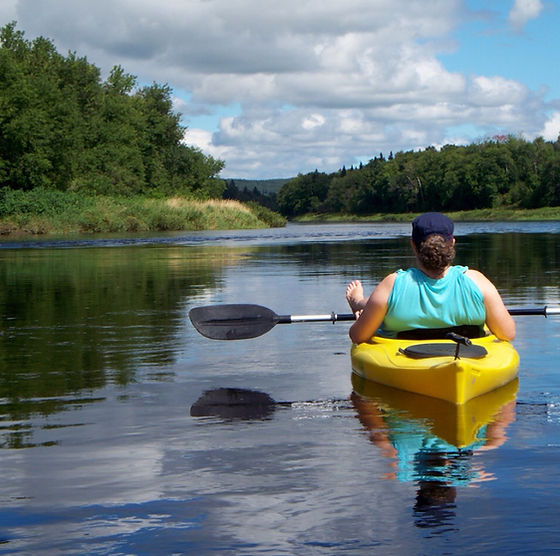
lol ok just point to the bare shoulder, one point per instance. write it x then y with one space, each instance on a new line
480 280
474 274
387 283
389 279
381 293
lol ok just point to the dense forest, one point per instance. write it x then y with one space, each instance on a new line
62 127
505 171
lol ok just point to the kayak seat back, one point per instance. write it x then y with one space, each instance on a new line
467 330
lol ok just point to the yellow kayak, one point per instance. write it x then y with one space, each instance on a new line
409 365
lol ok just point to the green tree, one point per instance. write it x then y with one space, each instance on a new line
305 193
61 127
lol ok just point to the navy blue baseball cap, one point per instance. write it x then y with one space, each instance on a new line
431 223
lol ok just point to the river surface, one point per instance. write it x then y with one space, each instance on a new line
100 368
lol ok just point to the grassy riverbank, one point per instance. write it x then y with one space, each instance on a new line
54 212
45 211
480 215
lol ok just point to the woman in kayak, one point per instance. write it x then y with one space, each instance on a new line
435 295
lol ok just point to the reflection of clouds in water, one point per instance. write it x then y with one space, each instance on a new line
113 458
106 474
14 477
109 475
270 483
286 494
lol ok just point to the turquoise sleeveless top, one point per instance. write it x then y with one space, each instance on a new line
417 301
416 447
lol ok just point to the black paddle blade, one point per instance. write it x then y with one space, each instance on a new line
233 322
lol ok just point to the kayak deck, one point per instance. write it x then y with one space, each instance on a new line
455 380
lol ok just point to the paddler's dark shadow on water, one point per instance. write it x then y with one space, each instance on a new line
234 404
431 442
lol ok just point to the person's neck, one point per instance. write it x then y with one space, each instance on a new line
434 274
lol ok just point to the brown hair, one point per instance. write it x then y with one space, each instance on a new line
435 253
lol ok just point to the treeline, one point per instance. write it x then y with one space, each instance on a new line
506 171
63 128
246 195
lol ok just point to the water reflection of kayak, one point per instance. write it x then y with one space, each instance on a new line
414 366
459 425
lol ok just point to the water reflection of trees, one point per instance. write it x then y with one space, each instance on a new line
72 319
515 262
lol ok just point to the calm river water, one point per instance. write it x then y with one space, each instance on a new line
100 367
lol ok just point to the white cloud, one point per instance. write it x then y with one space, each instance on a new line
202 139
551 130
313 121
304 84
523 11
496 91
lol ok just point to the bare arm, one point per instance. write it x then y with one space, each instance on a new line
498 319
374 312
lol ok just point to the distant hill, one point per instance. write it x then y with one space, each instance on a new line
264 186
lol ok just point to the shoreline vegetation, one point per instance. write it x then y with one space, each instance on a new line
48 212
477 215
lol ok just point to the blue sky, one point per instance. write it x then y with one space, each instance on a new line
275 89
488 45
